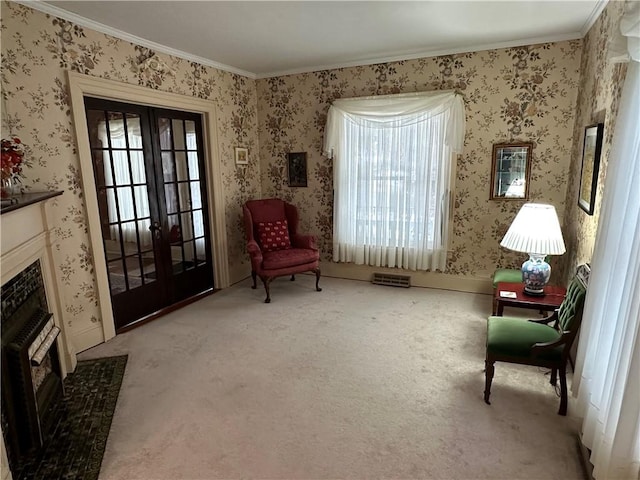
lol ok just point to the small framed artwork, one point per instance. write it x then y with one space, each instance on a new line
242 156
510 171
297 169
591 150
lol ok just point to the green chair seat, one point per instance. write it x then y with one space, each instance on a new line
506 275
514 337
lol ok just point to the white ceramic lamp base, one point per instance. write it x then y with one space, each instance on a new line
535 274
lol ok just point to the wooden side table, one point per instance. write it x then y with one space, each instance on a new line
553 297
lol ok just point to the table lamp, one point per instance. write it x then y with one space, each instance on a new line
536 231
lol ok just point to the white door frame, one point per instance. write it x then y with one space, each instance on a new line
85 85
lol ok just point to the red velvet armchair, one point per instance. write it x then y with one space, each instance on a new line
274 244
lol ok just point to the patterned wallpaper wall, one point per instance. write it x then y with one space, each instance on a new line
599 95
37 49
526 94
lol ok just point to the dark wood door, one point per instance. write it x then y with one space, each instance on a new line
149 169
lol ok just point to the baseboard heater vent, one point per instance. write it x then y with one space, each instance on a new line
391 280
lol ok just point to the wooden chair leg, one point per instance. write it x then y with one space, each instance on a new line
253 275
563 391
554 377
266 281
317 270
488 377
293 278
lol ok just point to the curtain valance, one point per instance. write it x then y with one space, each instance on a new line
393 111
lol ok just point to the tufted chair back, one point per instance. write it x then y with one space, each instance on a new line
570 312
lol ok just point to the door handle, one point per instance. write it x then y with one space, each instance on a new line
155 230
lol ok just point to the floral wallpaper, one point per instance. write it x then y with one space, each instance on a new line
517 94
37 50
543 93
599 96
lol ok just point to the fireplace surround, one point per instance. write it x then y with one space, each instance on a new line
27 239
31 374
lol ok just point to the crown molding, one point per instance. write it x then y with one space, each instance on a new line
595 14
50 9
114 32
425 54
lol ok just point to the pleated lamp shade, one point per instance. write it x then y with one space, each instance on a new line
535 229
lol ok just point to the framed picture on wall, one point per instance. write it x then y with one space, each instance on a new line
242 156
591 149
510 171
297 169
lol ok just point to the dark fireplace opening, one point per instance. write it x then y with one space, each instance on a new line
31 374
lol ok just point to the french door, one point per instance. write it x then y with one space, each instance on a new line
150 181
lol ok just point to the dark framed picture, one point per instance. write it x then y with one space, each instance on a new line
297 169
591 150
510 171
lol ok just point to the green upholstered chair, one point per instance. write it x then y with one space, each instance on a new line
535 342
502 275
506 275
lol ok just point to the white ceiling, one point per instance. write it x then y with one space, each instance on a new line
263 39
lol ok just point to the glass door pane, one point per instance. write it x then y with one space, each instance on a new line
183 193
149 172
180 142
121 181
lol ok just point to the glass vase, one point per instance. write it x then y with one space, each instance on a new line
6 187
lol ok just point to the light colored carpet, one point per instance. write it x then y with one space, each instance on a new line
357 381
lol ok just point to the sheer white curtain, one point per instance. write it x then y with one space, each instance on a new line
195 219
121 175
393 158
607 377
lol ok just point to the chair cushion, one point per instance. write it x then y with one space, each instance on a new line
514 337
506 275
288 258
274 235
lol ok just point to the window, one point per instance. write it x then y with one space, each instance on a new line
392 169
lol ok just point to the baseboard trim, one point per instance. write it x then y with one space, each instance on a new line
238 273
442 281
438 280
87 338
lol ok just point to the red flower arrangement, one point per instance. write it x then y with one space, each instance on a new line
11 165
12 156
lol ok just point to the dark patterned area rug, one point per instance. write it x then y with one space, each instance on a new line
75 445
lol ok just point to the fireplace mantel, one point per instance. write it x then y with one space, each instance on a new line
24 200
26 236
